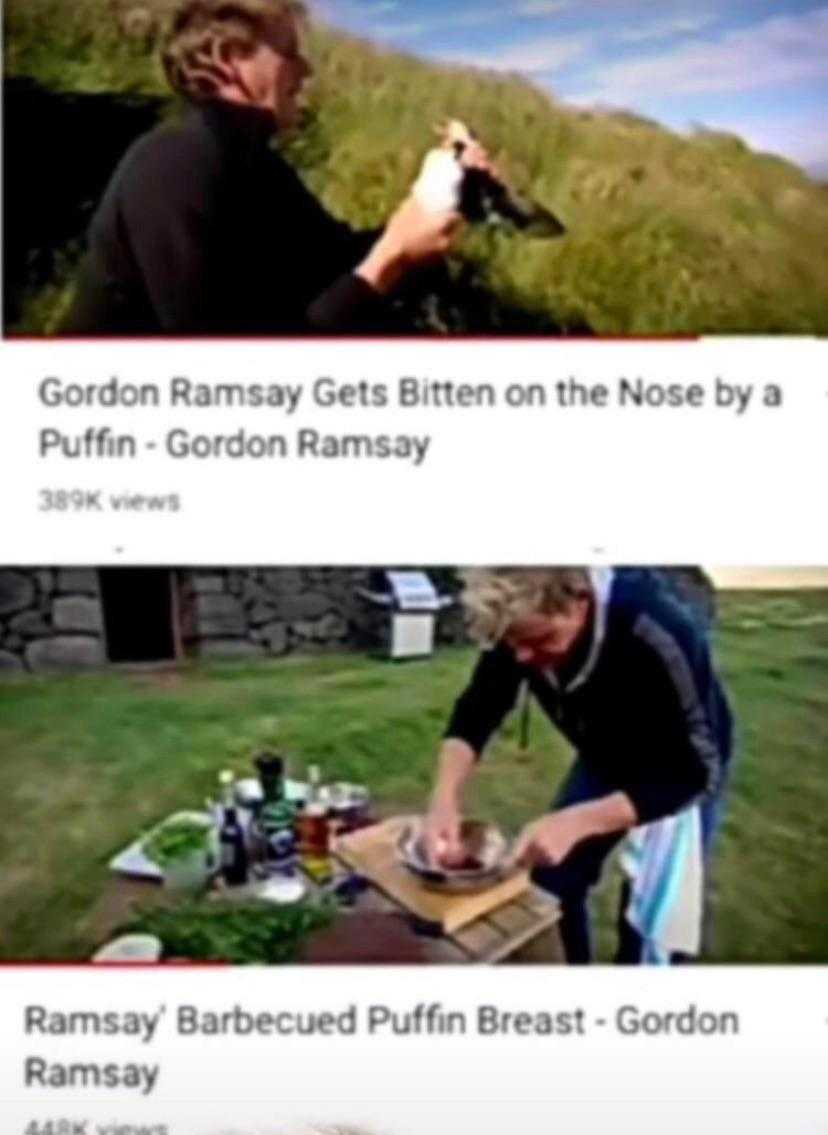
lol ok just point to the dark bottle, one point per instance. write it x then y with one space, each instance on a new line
271 769
233 850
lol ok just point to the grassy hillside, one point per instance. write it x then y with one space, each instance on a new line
667 234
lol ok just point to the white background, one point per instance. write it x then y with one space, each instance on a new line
770 1080
555 486
509 486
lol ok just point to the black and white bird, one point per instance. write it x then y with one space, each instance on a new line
447 183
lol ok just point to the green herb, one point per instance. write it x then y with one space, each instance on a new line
234 932
176 841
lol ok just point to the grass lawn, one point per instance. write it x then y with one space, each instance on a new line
90 760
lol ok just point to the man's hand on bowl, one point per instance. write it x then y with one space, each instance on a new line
442 835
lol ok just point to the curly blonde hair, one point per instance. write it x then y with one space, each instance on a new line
496 597
203 33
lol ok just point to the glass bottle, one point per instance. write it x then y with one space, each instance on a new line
232 849
313 829
271 770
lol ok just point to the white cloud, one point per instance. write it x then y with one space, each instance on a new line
533 8
536 57
665 29
413 29
781 50
467 17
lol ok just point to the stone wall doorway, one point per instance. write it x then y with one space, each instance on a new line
140 612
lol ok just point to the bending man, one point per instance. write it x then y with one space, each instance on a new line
623 670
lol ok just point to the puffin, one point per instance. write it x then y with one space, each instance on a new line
445 184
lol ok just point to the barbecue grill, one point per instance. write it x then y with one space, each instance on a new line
402 608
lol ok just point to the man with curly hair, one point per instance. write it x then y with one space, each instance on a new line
205 229
621 664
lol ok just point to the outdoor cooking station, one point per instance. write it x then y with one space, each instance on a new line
393 918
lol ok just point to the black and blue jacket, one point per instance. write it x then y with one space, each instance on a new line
645 709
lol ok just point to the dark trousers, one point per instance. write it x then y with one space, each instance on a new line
572 880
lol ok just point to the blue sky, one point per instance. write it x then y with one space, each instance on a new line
756 68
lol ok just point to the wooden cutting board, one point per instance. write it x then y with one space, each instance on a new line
372 852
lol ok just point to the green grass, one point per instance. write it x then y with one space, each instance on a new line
91 760
667 233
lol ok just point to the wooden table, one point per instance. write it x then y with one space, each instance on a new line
522 931
376 929
489 926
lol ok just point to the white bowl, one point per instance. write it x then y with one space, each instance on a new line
134 948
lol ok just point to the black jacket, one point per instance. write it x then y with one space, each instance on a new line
646 709
205 229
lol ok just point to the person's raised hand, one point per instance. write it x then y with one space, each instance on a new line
422 235
414 236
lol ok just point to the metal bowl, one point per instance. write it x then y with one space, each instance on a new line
486 849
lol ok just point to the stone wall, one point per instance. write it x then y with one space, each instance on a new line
274 611
50 619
